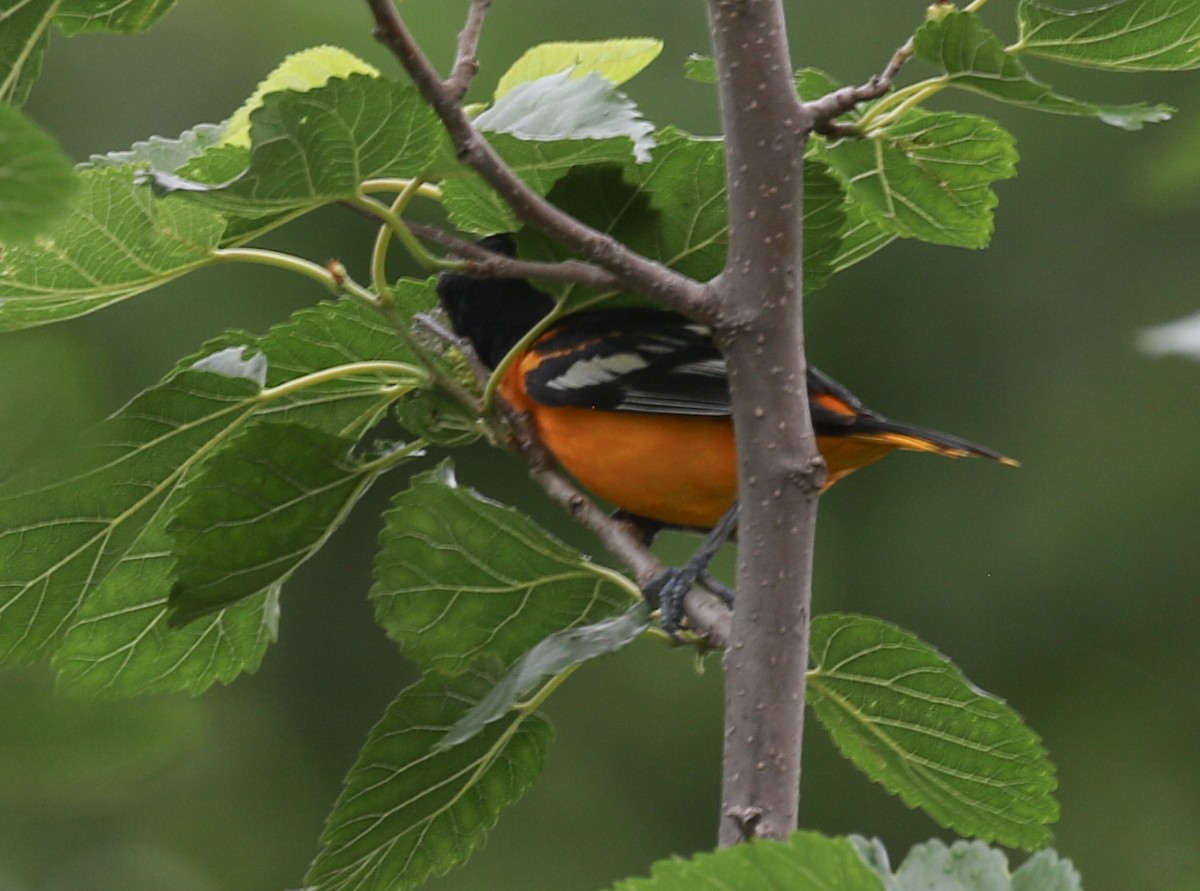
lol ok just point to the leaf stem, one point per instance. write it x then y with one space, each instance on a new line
383 239
337 372
307 268
889 110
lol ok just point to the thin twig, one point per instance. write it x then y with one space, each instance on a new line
483 263
834 105
637 273
466 65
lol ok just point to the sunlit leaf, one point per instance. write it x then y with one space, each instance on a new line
975 59
305 70
805 862
614 60
459 578
37 182
906 716
409 812
1125 35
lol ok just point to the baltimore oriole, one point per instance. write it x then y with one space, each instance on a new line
635 403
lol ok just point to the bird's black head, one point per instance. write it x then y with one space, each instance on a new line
492 313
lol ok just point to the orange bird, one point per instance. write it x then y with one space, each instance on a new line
635 404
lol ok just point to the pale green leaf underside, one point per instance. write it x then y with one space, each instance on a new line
551 657
805 862
967 866
459 578
1126 35
37 182
905 715
408 812
559 106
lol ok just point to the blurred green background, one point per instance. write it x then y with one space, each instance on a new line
1068 587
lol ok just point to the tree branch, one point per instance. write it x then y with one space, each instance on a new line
760 328
834 105
489 264
635 272
466 65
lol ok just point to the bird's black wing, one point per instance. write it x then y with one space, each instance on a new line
636 360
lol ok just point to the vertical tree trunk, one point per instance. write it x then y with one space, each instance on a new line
761 331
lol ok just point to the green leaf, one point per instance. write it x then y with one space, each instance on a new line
37 182
906 716
304 70
256 510
24 33
614 60
118 241
459 578
61 538
121 16
318 146
1125 35
409 812
25 30
974 59
928 176
58 541
673 208
805 862
356 365
120 642
824 223
473 206
558 653
862 236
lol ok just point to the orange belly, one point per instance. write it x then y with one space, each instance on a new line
676 469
